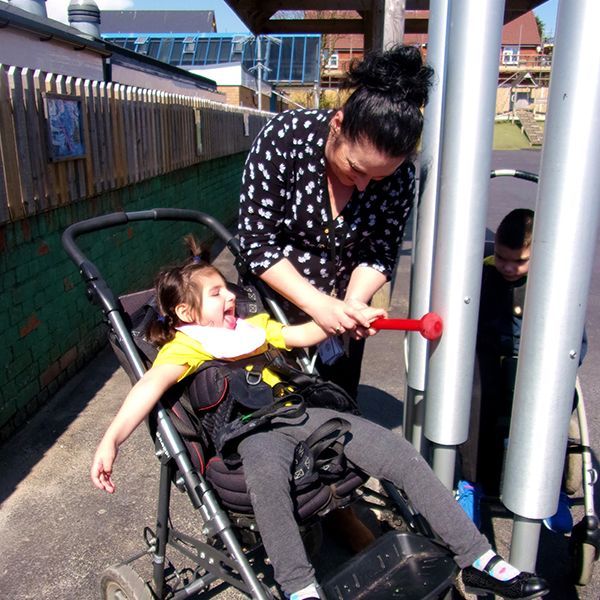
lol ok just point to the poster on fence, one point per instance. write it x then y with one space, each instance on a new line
64 119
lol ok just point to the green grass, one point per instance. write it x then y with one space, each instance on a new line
508 136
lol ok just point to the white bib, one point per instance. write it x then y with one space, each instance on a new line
222 342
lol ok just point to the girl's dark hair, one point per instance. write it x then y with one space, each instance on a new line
385 108
174 286
516 229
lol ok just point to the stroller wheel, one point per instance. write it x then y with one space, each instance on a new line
582 562
123 583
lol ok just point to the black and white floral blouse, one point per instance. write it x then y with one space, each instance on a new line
283 209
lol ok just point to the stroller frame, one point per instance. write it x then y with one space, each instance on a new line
232 564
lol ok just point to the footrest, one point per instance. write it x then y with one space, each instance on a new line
396 565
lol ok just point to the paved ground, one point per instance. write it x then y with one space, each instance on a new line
58 533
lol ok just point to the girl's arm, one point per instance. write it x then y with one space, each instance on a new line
309 334
136 407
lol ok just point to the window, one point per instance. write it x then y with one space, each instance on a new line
141 45
333 61
189 47
164 53
510 55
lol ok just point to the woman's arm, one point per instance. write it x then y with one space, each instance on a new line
363 284
136 407
331 314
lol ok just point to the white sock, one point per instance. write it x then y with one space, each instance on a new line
310 591
502 570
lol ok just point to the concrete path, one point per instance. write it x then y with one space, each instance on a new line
58 533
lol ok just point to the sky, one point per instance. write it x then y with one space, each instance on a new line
227 21
547 13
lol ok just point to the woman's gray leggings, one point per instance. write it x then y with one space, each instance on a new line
267 458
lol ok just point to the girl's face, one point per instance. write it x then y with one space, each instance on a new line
218 303
356 163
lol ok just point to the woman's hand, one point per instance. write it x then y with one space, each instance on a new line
335 316
331 314
102 464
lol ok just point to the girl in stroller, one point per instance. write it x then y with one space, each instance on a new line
197 323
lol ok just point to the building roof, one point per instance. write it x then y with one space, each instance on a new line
522 31
157 21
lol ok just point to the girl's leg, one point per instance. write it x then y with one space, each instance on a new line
267 459
386 455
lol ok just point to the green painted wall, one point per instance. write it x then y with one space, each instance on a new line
48 329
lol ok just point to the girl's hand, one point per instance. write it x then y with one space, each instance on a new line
102 464
370 314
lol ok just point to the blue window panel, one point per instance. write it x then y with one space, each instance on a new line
273 61
213 51
164 54
313 57
201 51
248 57
285 60
176 52
225 52
298 59
153 47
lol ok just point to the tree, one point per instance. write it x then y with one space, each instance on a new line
541 27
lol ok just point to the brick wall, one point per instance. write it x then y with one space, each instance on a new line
48 329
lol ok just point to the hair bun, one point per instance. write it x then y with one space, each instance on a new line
398 73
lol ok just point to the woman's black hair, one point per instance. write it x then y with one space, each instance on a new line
385 108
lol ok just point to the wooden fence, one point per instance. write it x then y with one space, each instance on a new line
124 134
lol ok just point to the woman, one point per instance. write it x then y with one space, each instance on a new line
325 197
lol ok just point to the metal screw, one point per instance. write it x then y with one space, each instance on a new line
467 300
572 354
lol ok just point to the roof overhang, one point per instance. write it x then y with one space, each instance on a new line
262 18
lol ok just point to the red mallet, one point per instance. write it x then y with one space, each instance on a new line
429 326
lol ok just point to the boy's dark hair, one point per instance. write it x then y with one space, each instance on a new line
516 229
385 108
174 286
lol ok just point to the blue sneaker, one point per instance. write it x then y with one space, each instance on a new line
562 521
468 496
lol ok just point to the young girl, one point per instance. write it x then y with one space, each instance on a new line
197 323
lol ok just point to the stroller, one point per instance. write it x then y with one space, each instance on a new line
405 562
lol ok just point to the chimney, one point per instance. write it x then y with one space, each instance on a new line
36 7
85 16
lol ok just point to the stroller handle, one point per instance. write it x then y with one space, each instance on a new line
514 173
155 214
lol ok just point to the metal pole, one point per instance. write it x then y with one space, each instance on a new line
473 48
259 71
420 290
564 239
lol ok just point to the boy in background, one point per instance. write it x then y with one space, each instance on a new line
503 285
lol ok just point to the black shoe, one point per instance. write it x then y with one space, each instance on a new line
522 587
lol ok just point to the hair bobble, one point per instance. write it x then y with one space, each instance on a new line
196 259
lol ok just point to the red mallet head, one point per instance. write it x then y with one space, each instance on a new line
431 326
